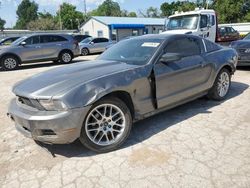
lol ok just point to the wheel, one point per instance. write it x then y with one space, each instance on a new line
85 51
106 126
9 63
66 57
221 86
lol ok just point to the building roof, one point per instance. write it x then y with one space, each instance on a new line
129 20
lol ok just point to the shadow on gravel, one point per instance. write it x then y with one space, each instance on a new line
149 127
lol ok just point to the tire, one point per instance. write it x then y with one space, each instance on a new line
221 86
65 57
85 52
9 63
104 133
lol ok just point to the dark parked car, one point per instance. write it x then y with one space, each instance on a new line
80 38
8 41
37 48
227 34
243 49
98 101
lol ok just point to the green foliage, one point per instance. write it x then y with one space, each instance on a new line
168 9
231 11
107 8
45 15
26 12
132 14
2 23
152 12
44 24
70 17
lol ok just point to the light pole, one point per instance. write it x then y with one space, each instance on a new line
60 19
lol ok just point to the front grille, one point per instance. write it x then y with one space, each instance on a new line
242 51
26 101
29 102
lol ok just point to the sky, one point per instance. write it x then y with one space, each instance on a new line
8 7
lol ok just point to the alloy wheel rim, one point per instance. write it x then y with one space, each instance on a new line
10 63
223 85
84 52
66 57
105 124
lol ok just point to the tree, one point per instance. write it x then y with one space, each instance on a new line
107 8
132 14
230 11
152 12
45 15
169 8
26 12
2 23
70 17
43 24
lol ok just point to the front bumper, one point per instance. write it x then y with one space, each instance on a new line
52 127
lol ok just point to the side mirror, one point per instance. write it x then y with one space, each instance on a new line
170 57
92 42
23 43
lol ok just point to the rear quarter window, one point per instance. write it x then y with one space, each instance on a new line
210 46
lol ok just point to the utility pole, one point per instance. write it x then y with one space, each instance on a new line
85 7
60 19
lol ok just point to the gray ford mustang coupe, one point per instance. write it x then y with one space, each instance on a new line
97 101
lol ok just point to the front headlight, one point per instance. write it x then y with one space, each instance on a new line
53 105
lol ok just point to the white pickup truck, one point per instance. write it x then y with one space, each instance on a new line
199 22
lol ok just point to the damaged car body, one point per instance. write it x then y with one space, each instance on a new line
98 101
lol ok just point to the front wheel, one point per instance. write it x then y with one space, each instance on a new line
9 63
106 126
221 86
84 52
66 57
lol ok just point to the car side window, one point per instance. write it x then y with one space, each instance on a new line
52 38
33 40
96 40
204 21
104 40
58 39
185 46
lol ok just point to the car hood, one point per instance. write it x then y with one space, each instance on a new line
60 80
241 44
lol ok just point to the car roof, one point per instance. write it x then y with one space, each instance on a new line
163 36
44 34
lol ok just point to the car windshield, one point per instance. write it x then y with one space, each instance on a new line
247 37
183 22
17 42
87 40
132 51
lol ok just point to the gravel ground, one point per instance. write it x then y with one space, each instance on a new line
199 144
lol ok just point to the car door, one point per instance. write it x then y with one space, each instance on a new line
31 51
104 43
96 45
52 45
179 80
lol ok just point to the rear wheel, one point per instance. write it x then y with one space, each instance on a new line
85 51
9 63
106 126
66 57
221 86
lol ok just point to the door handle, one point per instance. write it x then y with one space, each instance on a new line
38 47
